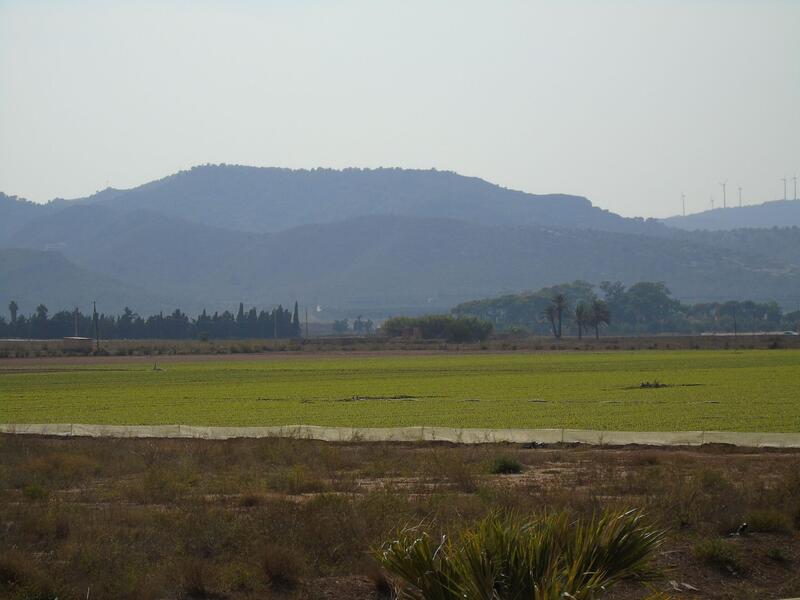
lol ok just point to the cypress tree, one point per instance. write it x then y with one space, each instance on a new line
296 321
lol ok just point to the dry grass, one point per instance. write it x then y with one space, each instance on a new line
502 342
244 518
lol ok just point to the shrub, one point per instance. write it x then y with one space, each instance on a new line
295 480
769 521
14 571
250 501
283 567
505 465
194 579
18 577
778 555
504 557
35 492
718 553
61 527
380 582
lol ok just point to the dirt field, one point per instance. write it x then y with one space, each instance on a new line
297 519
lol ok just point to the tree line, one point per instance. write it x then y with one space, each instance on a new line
359 326
251 323
448 327
642 308
587 313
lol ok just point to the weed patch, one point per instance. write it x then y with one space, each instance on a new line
721 554
505 465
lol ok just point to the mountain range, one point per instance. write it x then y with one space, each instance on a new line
777 213
383 241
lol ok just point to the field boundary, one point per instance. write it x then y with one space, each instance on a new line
414 434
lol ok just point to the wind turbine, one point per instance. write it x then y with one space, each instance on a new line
724 196
740 196
795 187
783 179
683 203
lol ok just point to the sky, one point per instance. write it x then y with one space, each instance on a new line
628 103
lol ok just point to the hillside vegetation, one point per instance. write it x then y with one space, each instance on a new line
32 277
387 241
643 308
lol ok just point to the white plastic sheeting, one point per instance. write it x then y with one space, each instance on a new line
417 434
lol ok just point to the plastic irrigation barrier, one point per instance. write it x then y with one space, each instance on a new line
418 434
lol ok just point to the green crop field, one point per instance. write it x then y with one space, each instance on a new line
704 390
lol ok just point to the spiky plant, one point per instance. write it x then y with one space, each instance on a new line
507 558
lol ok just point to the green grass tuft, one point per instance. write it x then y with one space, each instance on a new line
505 465
720 554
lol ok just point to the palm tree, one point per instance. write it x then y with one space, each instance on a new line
599 314
581 316
549 313
560 304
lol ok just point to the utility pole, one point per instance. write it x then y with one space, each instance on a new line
75 319
96 325
306 308
724 195
274 323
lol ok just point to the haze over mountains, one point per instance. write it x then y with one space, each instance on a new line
380 241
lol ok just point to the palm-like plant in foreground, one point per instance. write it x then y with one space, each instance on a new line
507 558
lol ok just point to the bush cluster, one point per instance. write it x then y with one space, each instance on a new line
450 328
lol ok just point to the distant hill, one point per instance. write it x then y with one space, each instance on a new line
774 243
390 262
269 199
32 277
386 240
779 213
16 213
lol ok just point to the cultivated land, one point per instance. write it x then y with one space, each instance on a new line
283 518
735 390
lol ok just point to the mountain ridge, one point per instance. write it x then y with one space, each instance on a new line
388 239
268 199
774 213
392 261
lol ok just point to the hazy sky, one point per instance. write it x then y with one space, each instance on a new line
628 103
